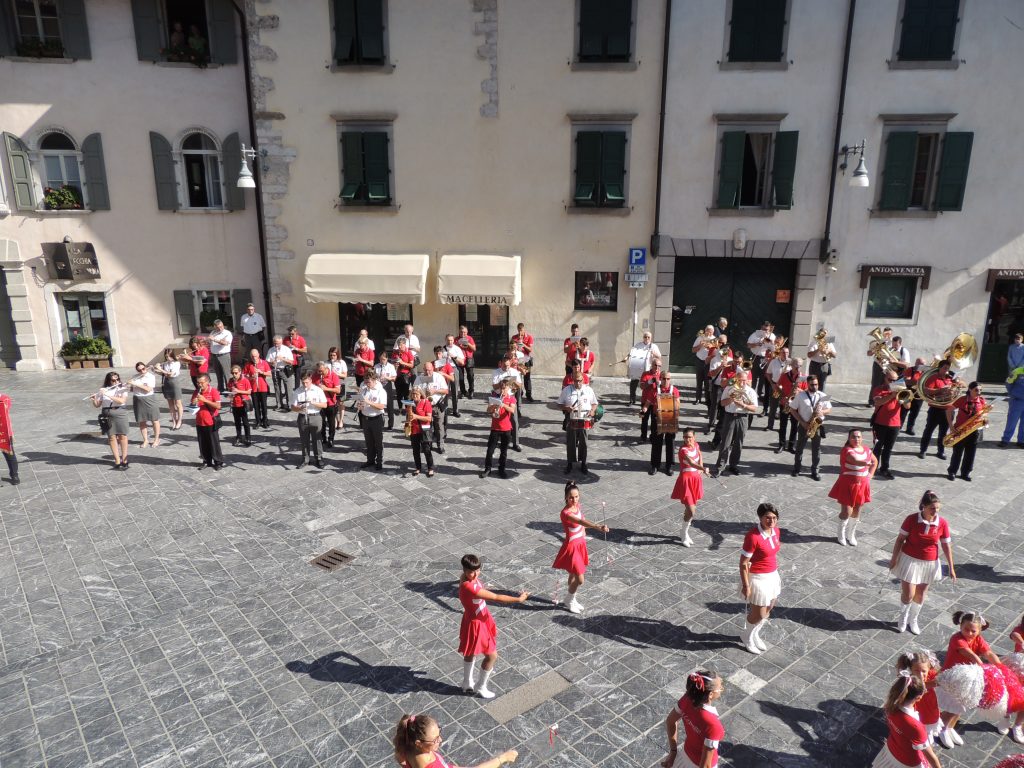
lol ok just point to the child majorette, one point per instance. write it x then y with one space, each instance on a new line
703 729
478 635
852 490
417 739
924 665
907 744
689 487
966 646
573 557
1017 635
760 584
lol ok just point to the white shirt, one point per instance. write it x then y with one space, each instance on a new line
375 394
252 324
512 374
648 350
805 402
385 372
817 352
775 369
455 354
306 396
904 354
279 357
702 351
148 379
220 342
171 367
369 346
731 407
117 390
413 342
582 401
436 386
338 367
760 342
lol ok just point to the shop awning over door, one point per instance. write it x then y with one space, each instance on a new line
479 279
367 277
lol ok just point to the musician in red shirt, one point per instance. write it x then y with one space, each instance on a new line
208 400
257 371
938 387
912 377
501 410
789 382
330 383
362 361
524 344
297 344
468 369
648 386
885 421
967 407
240 389
569 347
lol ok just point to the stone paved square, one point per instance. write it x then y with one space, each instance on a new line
167 617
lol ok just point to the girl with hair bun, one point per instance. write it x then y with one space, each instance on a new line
702 727
853 488
573 556
907 744
760 584
966 646
417 739
924 665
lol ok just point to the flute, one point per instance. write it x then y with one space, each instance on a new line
114 388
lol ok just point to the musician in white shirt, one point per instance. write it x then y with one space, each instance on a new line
820 356
760 342
145 403
281 360
220 353
640 359
702 348
307 401
411 340
386 375
580 402
254 329
778 365
805 405
434 384
372 401
737 401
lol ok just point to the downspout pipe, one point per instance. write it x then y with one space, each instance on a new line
826 240
661 128
257 171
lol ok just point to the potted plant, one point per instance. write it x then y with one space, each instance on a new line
40 49
73 354
65 198
84 349
99 352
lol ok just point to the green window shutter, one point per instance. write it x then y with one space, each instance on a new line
743 30
240 297
377 169
730 171
149 33
352 165
956 157
928 29
771 27
370 26
344 31
74 30
588 167
163 173
184 313
900 155
21 173
223 25
784 168
95 173
7 40
231 151
618 20
591 30
942 33
613 168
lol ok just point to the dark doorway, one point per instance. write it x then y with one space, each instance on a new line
1005 318
9 352
383 322
488 325
744 291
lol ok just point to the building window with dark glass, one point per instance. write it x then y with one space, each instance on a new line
891 298
757 32
924 169
605 31
201 162
600 169
756 167
927 30
365 167
359 32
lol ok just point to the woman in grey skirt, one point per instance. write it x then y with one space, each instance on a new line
113 417
171 386
146 404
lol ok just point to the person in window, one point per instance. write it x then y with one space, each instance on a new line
177 38
197 45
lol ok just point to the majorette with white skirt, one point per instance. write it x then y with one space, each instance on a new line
857 465
689 487
573 556
760 584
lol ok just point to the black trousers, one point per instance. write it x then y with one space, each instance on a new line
801 443
209 445
252 341
885 439
702 378
402 384
309 433
438 419
515 418
576 442
757 377
453 399
297 370
421 444
498 440
877 380
528 384
373 436
787 424
329 426
669 442
466 378
774 406
818 369
910 414
936 420
259 409
647 425
12 461
962 459
241 416
389 387
282 388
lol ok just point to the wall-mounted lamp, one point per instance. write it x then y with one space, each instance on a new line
739 239
245 178
860 173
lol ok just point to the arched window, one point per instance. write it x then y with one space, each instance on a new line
61 164
201 161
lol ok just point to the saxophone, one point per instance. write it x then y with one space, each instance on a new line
408 420
814 424
969 427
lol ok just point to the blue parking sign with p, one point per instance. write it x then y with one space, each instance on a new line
637 257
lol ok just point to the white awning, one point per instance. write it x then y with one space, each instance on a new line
479 279
367 277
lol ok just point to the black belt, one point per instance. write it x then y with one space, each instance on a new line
112 408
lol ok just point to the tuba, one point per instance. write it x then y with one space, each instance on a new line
883 352
960 355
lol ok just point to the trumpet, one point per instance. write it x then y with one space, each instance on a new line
906 396
774 351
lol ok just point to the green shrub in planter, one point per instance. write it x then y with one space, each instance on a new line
85 346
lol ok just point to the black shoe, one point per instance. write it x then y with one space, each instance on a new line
302 464
248 443
583 467
502 474
707 430
379 467
920 454
237 442
529 399
651 471
888 475
910 432
366 465
15 480
669 471
796 472
815 476
440 450
266 425
485 473
456 415
715 444
643 438
736 470
790 448
218 466
319 465
715 472
950 476
967 478
778 449
940 455
1003 444
567 470
200 468
516 448
124 464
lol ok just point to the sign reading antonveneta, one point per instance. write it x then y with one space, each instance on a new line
1002 274
867 271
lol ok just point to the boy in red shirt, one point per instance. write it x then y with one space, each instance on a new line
500 410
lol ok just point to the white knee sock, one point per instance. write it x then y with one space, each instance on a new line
468 669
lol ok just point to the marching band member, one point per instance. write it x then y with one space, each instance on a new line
387 375
282 362
573 556
258 371
170 386
436 388
724 379
364 335
821 354
647 351
702 346
254 330
902 353
507 371
198 359
501 409
807 405
468 368
339 369
908 743
760 584
330 384
145 404
721 326
689 487
877 371
524 345
967 407
372 402
404 360
588 360
716 363
666 439
885 421
412 343
113 419
207 429
362 359
308 401
478 634
240 389
421 418
937 419
912 377
778 366
220 352
418 738
580 402
444 366
857 465
760 343
7 439
569 347
738 400
648 398
790 382
297 345
702 729
456 358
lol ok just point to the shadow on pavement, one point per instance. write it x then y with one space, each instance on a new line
639 632
382 677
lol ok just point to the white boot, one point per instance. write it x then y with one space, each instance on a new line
945 739
915 611
955 737
851 532
468 675
574 605
841 536
1017 734
687 541
756 635
481 688
746 637
1004 726
904 616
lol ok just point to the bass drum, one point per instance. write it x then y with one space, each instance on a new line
636 363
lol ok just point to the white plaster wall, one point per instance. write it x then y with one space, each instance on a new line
144 254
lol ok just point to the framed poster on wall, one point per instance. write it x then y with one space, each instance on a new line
597 291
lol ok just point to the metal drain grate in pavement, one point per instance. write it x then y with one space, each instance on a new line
332 560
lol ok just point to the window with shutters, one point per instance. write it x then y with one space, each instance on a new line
365 150
196 32
927 34
890 297
61 173
201 171
756 167
601 167
37 25
923 168
187 31
605 31
756 34
359 33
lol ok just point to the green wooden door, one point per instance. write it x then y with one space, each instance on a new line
1005 318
